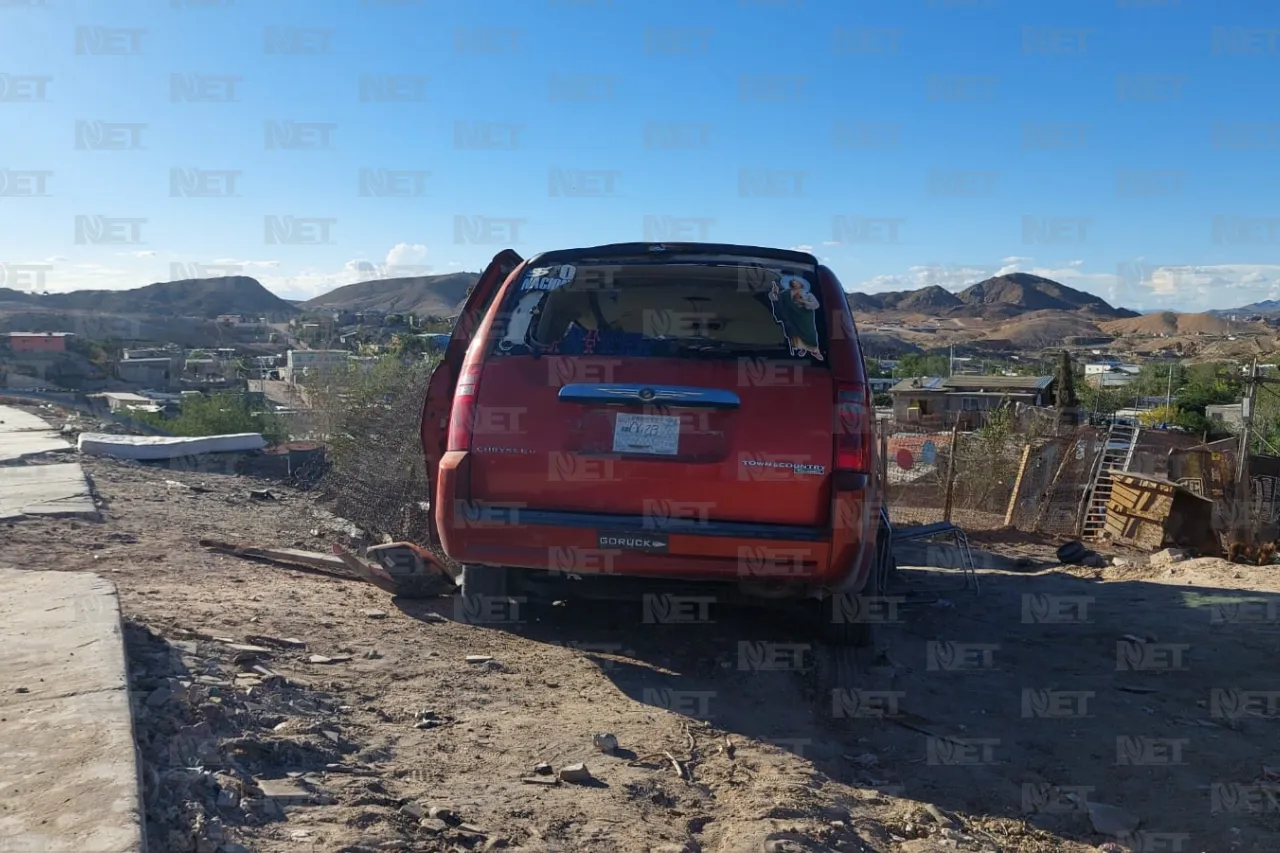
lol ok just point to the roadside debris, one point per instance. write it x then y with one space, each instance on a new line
1110 820
261 495
577 774
1074 553
606 743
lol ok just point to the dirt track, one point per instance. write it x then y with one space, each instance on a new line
1006 710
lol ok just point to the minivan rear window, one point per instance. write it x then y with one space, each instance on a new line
665 310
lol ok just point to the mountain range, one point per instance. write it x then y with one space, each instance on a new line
999 298
204 298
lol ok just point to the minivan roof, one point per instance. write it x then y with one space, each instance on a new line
650 250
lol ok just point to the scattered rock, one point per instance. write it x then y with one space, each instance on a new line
1110 820
372 654
444 813
543 769
606 743
23 690
283 792
433 825
1168 557
328 659
376 614
578 774
159 696
478 659
228 799
413 810
261 495
541 780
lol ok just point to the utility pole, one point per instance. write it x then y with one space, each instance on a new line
1244 491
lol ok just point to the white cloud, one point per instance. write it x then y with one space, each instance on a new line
406 254
1014 259
949 276
142 253
802 248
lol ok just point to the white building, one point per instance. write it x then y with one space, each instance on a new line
299 361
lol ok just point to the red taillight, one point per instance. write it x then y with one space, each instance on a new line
853 429
462 417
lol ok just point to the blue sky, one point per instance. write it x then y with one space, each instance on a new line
1127 147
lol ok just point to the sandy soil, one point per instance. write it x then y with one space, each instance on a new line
990 722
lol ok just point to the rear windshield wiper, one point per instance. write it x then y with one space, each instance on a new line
729 348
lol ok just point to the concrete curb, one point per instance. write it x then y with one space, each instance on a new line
70 762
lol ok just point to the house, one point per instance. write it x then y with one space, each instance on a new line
1230 415
1110 374
943 401
152 372
119 401
299 361
880 386
38 342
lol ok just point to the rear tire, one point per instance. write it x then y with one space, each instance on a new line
490 581
831 623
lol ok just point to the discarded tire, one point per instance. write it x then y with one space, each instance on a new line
1072 552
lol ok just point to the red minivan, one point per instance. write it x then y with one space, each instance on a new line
685 412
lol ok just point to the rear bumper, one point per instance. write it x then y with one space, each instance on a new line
831 558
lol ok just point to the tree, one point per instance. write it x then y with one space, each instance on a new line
218 414
913 364
1066 383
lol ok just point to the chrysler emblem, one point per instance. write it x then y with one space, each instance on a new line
646 394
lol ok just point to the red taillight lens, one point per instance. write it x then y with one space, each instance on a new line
462 417
853 429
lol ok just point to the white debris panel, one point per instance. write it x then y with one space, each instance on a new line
146 447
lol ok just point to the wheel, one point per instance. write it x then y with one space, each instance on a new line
488 581
841 620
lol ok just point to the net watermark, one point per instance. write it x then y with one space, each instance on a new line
664 609
25 183
298 230
949 656
393 183
203 88
763 656
487 230
100 230
109 41
203 183
685 229
109 135
487 135
393 88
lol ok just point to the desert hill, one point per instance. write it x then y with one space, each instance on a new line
441 295
1000 298
204 298
1169 323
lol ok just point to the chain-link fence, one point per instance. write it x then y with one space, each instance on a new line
369 419
1025 474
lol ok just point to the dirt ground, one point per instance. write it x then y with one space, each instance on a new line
991 722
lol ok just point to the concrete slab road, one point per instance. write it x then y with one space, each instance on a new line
68 761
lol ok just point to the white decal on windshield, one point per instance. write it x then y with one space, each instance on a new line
549 278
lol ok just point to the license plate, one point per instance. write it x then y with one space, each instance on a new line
651 543
658 435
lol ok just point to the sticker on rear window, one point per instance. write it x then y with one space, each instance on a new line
549 278
795 308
